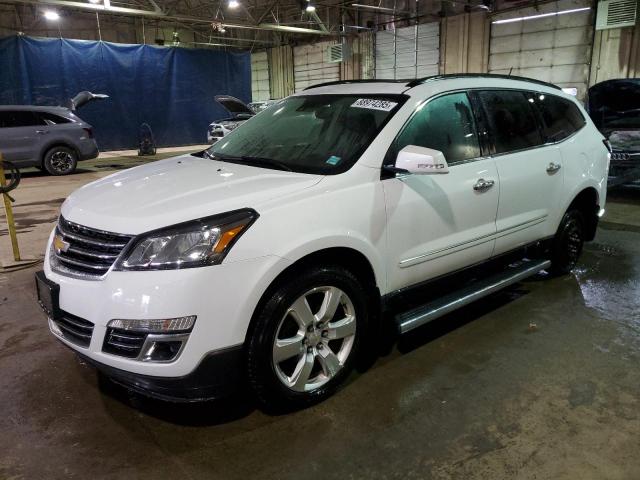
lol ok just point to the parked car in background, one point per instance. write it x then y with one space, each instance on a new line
282 254
53 139
239 111
614 107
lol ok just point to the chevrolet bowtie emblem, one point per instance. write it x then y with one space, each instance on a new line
60 245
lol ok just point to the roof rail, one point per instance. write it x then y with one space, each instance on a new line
420 81
343 82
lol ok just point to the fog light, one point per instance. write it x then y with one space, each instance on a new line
165 325
161 350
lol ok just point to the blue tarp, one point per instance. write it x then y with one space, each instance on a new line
172 89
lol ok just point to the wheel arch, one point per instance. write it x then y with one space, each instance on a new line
587 200
350 258
54 144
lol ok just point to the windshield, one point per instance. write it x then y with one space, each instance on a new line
324 134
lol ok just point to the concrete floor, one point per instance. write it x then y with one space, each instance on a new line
537 382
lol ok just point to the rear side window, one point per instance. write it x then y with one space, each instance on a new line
512 120
561 117
52 119
445 123
19 118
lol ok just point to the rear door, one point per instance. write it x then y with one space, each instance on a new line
21 133
530 171
440 223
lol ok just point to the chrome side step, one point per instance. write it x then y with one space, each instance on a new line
437 308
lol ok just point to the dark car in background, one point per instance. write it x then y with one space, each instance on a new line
53 139
614 107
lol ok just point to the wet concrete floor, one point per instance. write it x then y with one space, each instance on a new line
537 382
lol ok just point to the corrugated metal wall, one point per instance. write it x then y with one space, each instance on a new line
408 52
310 67
464 43
555 49
260 89
616 54
281 68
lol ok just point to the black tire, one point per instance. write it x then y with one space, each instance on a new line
60 161
266 377
568 243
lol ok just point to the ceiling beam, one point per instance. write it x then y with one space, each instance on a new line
161 15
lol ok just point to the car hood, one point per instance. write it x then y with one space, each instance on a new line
176 190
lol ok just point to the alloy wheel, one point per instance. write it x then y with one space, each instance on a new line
61 161
314 338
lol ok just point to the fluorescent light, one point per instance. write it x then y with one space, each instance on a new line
233 4
51 15
541 15
94 1
310 8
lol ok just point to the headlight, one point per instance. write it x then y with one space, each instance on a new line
187 245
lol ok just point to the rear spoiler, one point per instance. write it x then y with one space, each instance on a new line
85 97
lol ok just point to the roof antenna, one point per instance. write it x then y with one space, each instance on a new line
510 70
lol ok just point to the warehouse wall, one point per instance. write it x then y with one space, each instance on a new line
616 54
464 43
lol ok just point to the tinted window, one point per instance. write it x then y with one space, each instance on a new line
561 117
445 123
512 120
52 119
18 119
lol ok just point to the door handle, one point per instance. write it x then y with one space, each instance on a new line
483 185
553 167
42 132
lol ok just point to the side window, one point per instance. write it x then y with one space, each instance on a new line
52 119
512 120
19 118
561 117
445 123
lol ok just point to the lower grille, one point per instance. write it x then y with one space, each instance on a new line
86 251
75 329
125 343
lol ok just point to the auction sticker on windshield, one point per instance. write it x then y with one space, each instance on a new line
374 104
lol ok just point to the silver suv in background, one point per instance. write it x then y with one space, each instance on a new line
53 139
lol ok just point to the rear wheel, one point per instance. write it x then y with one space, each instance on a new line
60 161
568 243
306 338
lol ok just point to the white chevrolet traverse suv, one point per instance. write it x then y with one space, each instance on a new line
279 257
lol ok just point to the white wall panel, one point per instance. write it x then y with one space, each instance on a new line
259 77
407 52
555 49
310 68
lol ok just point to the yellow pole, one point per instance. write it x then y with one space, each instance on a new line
10 221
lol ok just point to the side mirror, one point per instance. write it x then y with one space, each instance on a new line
421 161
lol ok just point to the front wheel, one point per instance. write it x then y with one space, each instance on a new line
306 338
60 161
568 243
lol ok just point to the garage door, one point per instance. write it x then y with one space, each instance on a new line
310 67
259 77
553 48
408 52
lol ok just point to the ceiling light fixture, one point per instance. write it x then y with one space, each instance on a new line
233 4
51 15
541 15
95 1
310 7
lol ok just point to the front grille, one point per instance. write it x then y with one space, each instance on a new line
90 252
75 329
125 343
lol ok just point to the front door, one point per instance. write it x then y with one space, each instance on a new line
439 223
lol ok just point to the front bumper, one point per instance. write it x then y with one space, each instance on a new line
222 297
218 375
